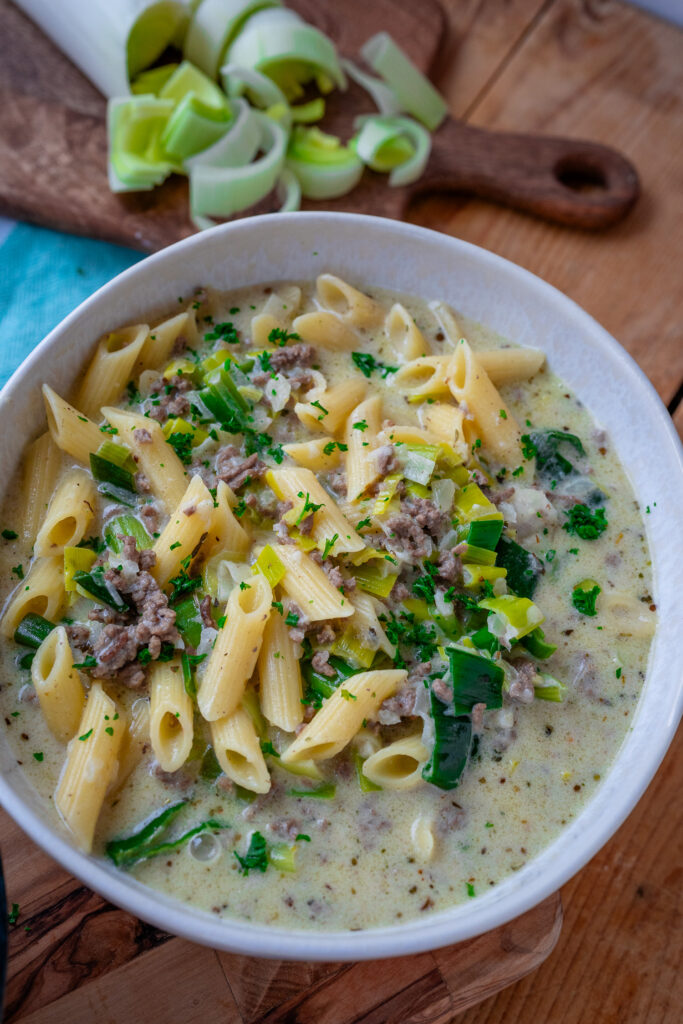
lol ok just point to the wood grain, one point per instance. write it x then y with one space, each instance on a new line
575 73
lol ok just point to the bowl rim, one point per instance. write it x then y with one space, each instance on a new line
447 926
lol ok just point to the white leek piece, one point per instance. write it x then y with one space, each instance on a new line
381 144
324 168
288 191
213 27
151 82
414 91
279 44
385 98
237 147
110 41
136 158
260 90
223 191
193 126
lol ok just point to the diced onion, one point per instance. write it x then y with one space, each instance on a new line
213 27
414 91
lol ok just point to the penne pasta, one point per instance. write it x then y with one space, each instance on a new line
280 676
70 513
474 392
306 583
155 458
326 330
91 765
236 650
361 468
161 340
71 431
238 751
184 531
405 338
447 322
276 314
170 715
58 685
331 530
507 365
134 741
41 465
398 765
331 407
342 715
226 534
320 454
366 626
111 368
348 302
40 592
447 422
424 377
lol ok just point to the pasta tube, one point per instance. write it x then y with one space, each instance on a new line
348 302
473 390
325 330
238 751
226 533
306 583
41 466
404 336
238 643
331 406
133 744
398 765
70 513
71 431
361 469
111 368
91 765
41 592
280 676
300 486
342 715
156 459
58 685
170 716
184 531
162 339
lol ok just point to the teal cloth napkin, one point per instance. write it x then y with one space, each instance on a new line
43 276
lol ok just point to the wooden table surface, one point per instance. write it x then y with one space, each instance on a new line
602 70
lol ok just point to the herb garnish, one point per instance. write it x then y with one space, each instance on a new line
585 524
366 363
256 857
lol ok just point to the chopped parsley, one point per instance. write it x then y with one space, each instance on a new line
95 544
88 662
470 890
38 754
240 508
223 332
360 425
406 631
183 584
366 363
245 586
13 915
268 748
302 838
363 523
264 360
10 534
322 408
280 336
182 446
331 445
277 453
618 673
584 600
424 586
329 544
585 524
86 735
256 857
308 508
347 696
18 571
292 619
277 605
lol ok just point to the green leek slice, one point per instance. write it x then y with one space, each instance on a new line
150 83
188 80
282 46
237 147
385 98
414 91
194 126
396 144
307 113
136 159
260 90
323 166
223 191
213 27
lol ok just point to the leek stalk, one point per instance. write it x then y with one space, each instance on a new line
415 93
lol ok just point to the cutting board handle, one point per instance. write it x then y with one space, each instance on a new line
569 181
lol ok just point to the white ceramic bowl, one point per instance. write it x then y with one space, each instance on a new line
527 311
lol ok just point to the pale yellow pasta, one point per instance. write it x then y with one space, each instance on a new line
474 392
170 715
236 650
58 685
238 751
226 533
361 468
184 530
447 422
280 676
325 330
404 336
41 465
342 715
329 522
365 624
69 514
133 744
71 431
402 433
306 583
312 454
352 305
91 765
155 458
506 365
261 329
41 592
111 368
625 614
161 340
332 406
276 313
422 837
398 765
424 377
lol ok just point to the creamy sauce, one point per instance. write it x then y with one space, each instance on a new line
535 768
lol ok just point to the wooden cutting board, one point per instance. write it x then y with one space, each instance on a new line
53 142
